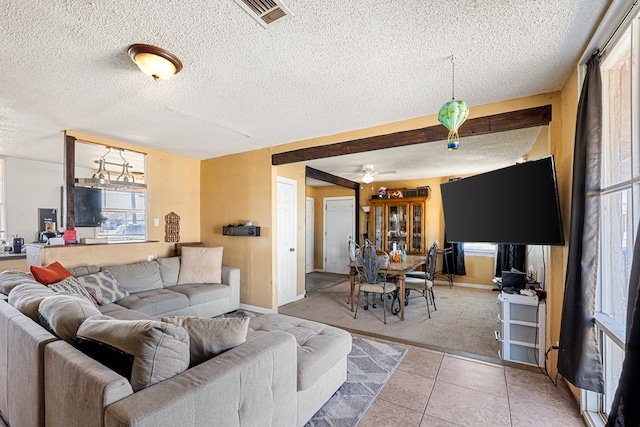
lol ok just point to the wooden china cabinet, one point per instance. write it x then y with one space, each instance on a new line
401 221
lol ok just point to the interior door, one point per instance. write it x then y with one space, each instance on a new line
286 222
309 230
339 227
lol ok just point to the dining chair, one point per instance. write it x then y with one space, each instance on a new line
422 281
373 266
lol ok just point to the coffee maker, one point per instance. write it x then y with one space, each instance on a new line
18 243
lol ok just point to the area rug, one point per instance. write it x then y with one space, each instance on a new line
369 366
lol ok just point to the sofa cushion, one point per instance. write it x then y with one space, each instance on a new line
122 313
160 350
27 297
169 270
9 279
200 265
72 286
155 302
103 286
83 270
209 337
65 314
49 274
320 346
202 293
137 277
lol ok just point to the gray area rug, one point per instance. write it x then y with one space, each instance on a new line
369 366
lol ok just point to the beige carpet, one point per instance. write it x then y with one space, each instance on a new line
464 322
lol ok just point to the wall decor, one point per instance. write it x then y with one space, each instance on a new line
172 227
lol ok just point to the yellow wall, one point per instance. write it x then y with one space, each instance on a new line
173 185
234 189
318 194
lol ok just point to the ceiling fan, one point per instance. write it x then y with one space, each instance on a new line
368 174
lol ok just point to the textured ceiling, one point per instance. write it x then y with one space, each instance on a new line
334 66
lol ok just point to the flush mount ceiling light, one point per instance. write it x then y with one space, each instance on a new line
155 61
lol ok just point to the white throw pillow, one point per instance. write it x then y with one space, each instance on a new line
200 265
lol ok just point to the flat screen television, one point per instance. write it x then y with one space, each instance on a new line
88 207
514 205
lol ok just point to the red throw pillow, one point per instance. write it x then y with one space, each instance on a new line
52 273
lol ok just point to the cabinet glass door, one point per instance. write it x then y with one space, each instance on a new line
377 226
417 217
397 227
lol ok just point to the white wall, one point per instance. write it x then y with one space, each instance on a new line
30 185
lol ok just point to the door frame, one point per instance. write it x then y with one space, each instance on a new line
294 228
324 224
309 226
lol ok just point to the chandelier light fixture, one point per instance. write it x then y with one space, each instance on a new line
453 114
155 61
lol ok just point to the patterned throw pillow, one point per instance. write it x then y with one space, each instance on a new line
103 287
72 286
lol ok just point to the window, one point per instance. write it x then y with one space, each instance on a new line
484 249
619 199
123 216
115 179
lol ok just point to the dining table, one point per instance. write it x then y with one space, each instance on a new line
398 269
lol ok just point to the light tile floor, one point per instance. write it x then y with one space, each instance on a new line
431 388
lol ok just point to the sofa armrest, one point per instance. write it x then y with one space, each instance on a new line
231 277
78 388
252 384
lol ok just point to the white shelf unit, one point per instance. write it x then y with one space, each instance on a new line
522 329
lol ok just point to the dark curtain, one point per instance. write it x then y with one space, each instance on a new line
510 256
625 409
579 360
454 258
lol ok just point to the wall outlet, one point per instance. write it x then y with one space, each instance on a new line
156 222
150 258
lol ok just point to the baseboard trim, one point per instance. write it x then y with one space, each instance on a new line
255 309
463 285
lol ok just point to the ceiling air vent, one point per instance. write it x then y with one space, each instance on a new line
266 12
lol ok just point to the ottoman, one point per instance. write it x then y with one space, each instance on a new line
321 359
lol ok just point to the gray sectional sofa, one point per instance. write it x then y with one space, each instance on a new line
284 372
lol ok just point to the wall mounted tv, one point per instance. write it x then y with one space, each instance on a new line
515 205
88 207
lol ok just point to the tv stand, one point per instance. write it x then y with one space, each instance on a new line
522 322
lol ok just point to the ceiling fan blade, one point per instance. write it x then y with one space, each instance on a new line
387 173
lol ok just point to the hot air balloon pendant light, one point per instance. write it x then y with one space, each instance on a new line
453 114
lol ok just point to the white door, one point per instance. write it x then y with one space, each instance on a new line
339 214
309 218
286 222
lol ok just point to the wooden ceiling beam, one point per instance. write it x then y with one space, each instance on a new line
512 120
333 179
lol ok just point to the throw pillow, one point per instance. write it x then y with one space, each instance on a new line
72 286
160 350
210 337
200 265
49 274
103 287
65 313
